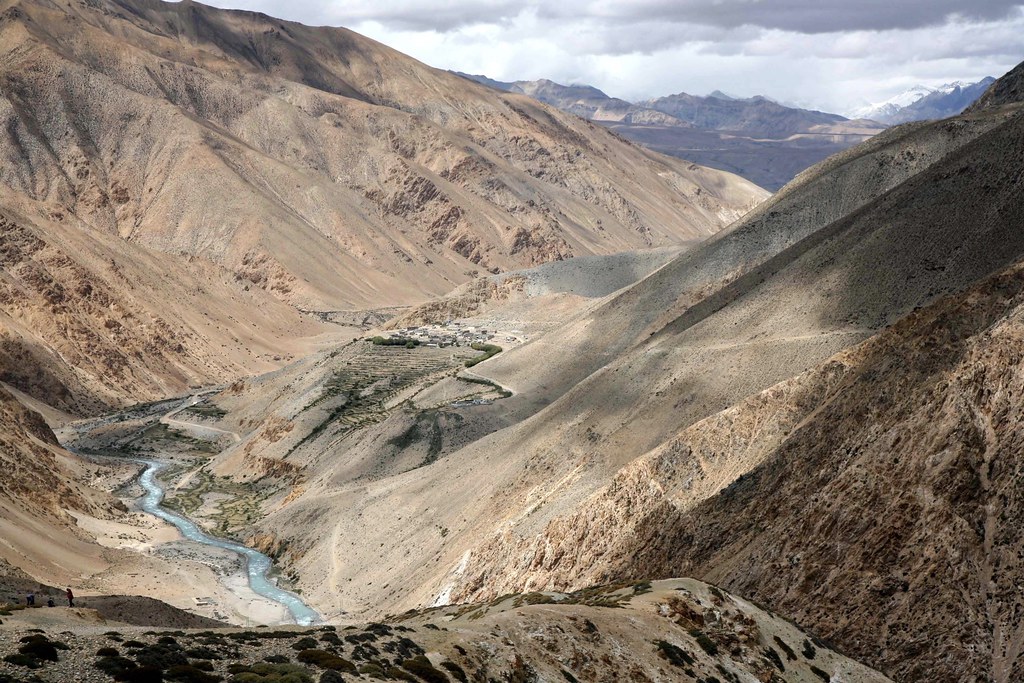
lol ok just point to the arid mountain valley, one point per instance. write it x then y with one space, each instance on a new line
320 364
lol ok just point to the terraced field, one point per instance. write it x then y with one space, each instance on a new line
369 381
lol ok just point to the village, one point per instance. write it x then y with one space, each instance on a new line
455 333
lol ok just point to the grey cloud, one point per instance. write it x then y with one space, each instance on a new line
801 16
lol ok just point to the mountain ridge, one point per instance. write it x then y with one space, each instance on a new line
756 137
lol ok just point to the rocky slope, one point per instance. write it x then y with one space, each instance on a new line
666 631
88 321
757 138
315 164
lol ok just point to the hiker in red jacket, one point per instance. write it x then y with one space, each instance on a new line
71 598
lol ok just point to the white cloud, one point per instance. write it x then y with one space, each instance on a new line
830 54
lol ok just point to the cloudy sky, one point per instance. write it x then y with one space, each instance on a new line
834 55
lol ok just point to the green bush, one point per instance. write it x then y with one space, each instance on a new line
808 650
395 341
673 654
331 638
823 675
326 660
272 673
489 351
142 674
372 670
456 671
107 652
790 655
422 667
38 647
161 656
306 643
705 643
114 665
23 660
187 673
772 654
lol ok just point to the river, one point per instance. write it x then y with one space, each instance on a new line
257 564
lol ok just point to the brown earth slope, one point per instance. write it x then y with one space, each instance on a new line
316 164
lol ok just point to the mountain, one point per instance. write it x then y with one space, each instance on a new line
754 115
924 102
757 138
600 466
813 408
180 182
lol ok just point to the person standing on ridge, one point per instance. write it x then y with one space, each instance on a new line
71 598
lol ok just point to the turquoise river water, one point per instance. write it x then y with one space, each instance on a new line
257 564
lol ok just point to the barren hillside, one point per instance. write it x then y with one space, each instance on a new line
313 163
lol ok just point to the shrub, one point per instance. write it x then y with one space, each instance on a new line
330 637
422 667
823 675
673 654
395 341
399 675
326 660
107 652
161 656
772 654
372 670
276 659
203 665
202 652
456 670
22 660
142 674
331 676
306 643
41 649
263 672
114 665
790 655
808 650
187 673
705 643
489 350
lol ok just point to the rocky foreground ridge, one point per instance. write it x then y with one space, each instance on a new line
665 631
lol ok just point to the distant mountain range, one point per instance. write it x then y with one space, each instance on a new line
756 137
925 102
